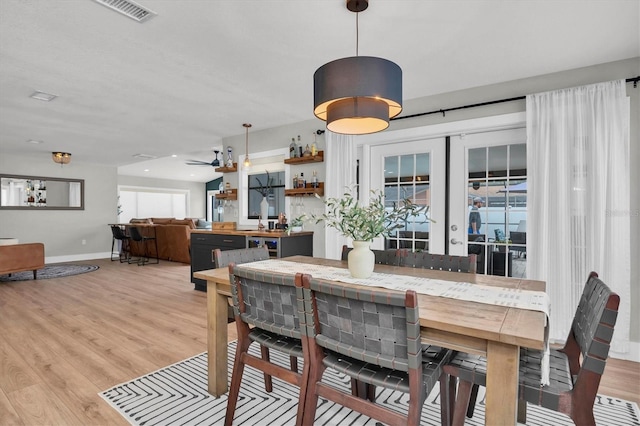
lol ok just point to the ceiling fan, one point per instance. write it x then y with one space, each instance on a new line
214 163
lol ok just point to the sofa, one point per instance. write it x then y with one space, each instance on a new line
21 257
173 238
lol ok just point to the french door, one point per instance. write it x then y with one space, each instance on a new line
448 174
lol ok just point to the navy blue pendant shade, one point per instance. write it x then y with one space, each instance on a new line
357 95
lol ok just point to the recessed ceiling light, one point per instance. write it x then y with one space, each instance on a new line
43 96
34 142
191 174
146 170
174 155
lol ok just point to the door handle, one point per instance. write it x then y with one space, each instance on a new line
455 241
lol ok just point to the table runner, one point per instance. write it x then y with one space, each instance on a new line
501 296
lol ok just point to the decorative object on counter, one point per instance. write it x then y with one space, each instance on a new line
264 209
364 223
297 224
359 94
247 161
264 190
260 224
61 158
282 221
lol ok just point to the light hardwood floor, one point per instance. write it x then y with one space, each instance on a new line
64 340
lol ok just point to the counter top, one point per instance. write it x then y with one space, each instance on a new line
251 233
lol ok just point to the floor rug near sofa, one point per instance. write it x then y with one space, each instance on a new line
50 271
177 395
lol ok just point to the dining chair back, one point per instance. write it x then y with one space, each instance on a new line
439 262
371 335
382 257
266 306
576 369
222 259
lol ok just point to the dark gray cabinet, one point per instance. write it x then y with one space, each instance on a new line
279 245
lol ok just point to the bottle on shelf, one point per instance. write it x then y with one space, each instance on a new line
301 182
314 180
307 151
293 152
295 181
314 146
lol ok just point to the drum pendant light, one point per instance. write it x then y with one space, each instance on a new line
359 94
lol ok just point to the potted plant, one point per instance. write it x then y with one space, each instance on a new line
363 223
296 223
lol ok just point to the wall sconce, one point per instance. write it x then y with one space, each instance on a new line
61 158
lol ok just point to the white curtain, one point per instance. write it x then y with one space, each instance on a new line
340 160
579 216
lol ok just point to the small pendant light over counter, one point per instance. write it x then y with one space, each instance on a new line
359 94
247 161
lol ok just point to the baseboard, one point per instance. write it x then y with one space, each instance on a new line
76 257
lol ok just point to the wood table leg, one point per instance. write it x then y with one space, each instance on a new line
216 340
502 383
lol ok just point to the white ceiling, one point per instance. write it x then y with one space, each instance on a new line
194 73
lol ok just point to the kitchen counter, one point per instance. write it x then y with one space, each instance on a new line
251 233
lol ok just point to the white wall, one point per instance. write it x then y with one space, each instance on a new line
63 231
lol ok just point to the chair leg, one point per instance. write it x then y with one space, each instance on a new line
236 376
447 398
522 412
462 402
472 400
268 382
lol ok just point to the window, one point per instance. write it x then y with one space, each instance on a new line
266 184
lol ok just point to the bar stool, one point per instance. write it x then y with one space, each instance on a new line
137 236
124 252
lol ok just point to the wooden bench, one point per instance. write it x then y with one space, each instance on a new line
21 257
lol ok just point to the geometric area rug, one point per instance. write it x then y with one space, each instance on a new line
49 271
177 395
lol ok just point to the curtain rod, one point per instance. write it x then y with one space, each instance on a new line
633 80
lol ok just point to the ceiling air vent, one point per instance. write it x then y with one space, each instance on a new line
129 8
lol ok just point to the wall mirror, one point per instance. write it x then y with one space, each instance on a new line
38 192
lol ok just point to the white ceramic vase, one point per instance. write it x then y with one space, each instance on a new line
264 209
361 260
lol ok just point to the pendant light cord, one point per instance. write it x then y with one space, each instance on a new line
357 34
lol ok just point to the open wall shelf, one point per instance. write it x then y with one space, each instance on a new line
318 158
308 190
228 194
227 169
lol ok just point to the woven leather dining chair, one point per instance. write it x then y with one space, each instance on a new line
222 259
576 369
266 306
383 257
371 335
440 262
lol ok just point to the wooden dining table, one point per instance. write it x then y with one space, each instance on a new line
497 332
